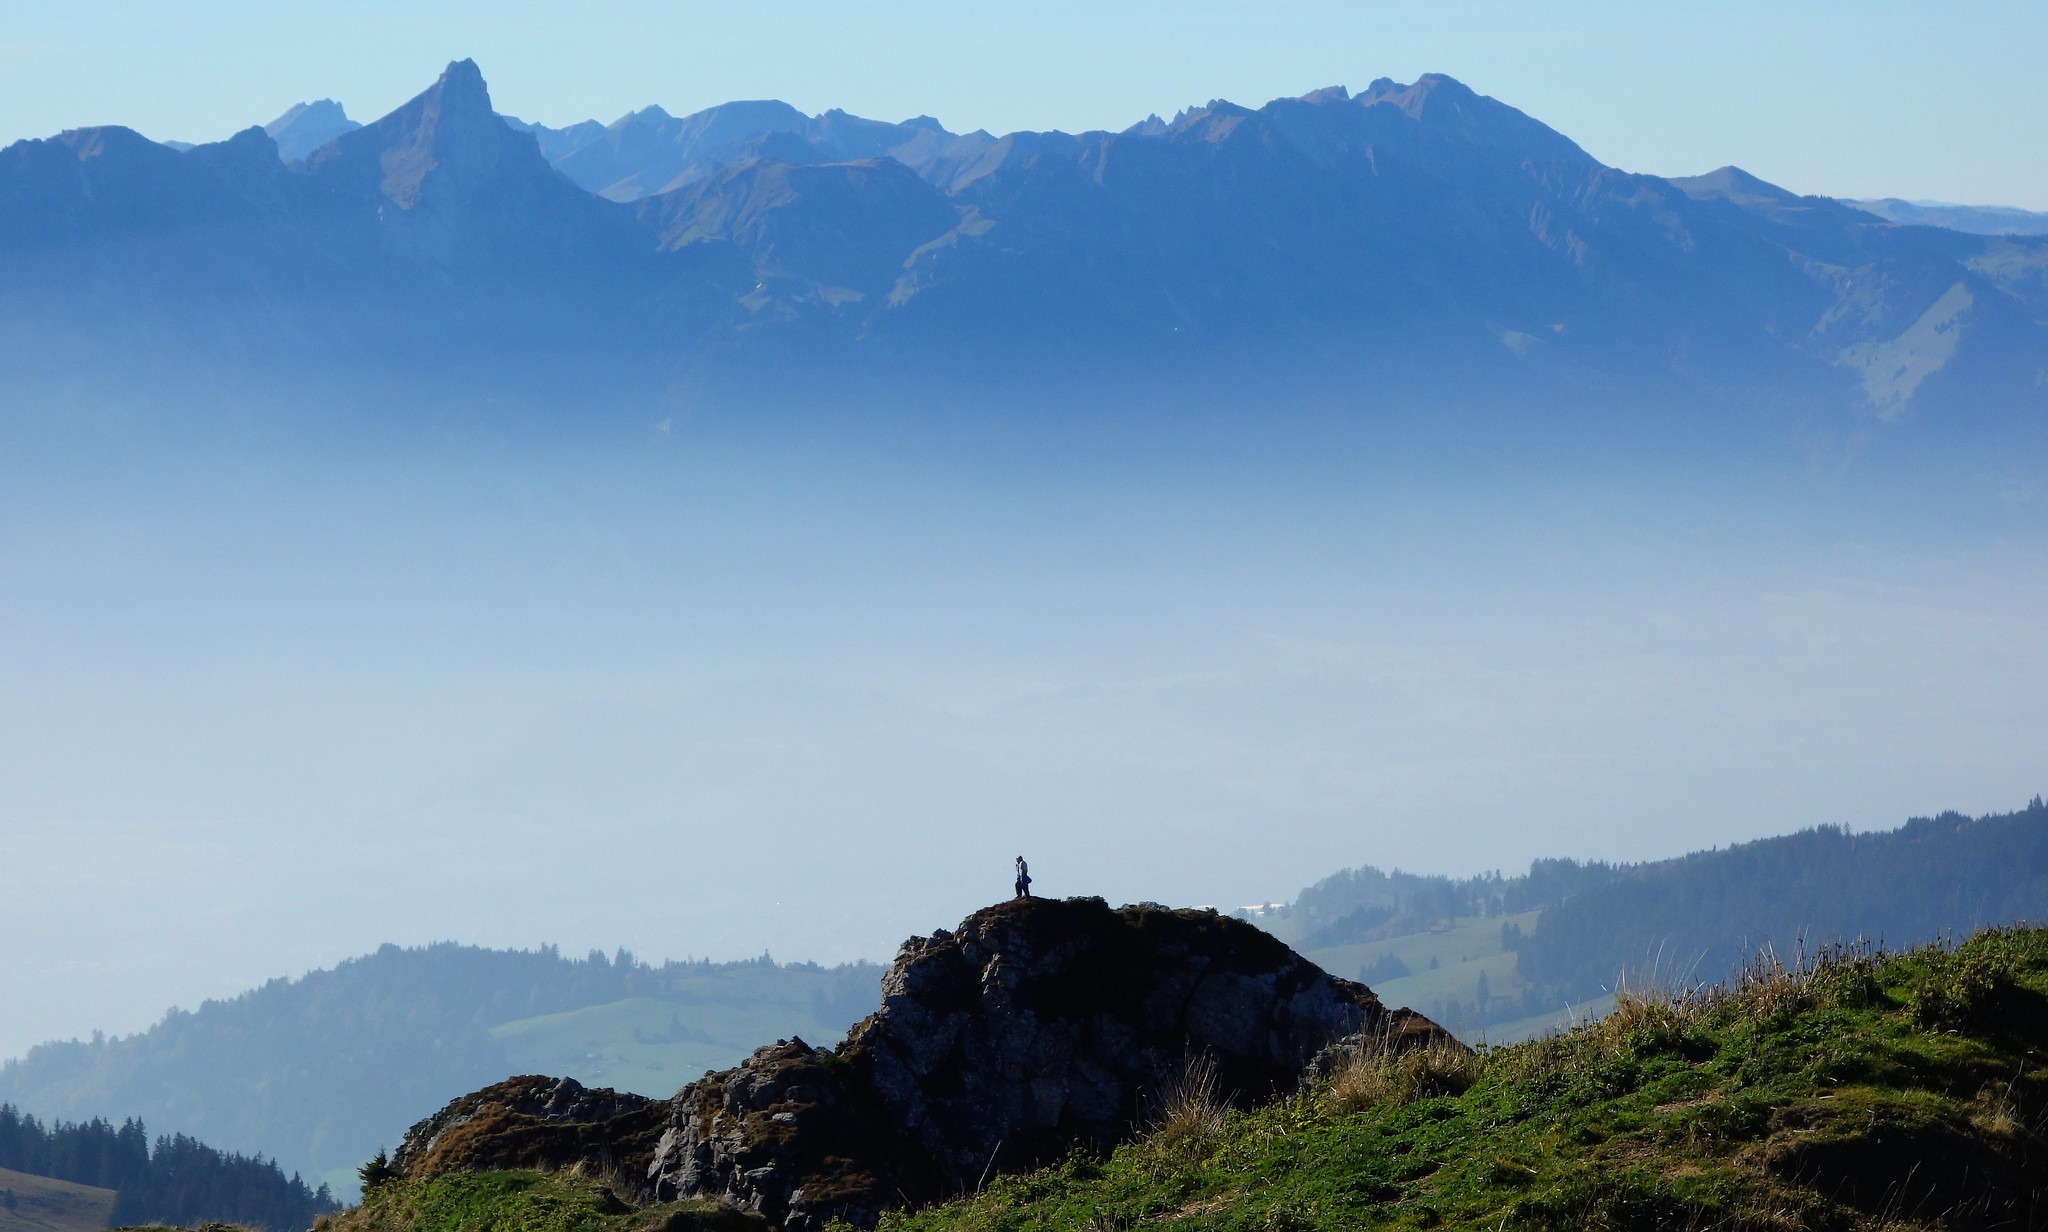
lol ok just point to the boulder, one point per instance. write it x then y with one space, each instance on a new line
1037 1027
543 1124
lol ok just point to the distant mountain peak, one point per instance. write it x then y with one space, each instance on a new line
1449 107
305 127
324 109
1429 91
464 74
448 131
1732 183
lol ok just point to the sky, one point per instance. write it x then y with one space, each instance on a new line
1852 98
259 715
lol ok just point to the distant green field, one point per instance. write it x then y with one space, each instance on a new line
1449 991
655 1045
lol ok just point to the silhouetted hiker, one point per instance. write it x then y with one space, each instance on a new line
1023 878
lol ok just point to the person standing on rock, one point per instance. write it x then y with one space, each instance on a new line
1023 878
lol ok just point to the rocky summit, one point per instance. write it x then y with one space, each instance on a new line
1036 1028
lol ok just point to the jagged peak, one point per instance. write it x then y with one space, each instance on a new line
447 133
1441 101
324 109
1416 97
462 74
1444 83
459 94
1328 94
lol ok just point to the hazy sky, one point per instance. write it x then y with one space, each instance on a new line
261 714
1844 97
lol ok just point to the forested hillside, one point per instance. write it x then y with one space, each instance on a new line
319 1071
178 1180
1507 957
1364 904
1698 917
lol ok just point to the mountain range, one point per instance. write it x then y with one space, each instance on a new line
1410 242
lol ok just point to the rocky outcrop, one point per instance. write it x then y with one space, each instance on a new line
1036 1028
544 1124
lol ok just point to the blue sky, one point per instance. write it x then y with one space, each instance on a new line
1852 99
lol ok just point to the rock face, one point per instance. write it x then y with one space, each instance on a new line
1038 1027
543 1124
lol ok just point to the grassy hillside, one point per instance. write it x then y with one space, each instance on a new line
653 1045
1858 1094
40 1204
1444 967
525 1202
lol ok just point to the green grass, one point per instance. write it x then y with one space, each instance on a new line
523 1202
1863 1095
485 1202
622 1044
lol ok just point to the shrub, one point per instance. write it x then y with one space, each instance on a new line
1963 988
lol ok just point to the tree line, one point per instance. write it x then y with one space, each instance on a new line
176 1180
1368 904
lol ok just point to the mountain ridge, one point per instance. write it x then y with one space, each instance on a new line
1410 241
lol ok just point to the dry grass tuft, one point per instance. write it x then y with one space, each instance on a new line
1191 1106
1381 1073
